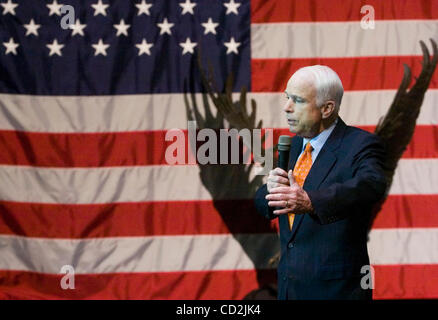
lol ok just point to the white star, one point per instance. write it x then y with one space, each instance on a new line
78 28
232 46
188 46
100 48
9 7
55 48
232 7
210 26
143 7
32 28
100 8
55 8
187 7
144 47
165 27
11 46
122 28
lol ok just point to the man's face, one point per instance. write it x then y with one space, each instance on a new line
303 115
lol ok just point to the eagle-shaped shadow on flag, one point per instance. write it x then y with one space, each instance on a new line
232 187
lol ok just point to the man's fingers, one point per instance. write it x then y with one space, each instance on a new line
283 211
276 196
273 185
281 203
280 189
291 178
279 172
279 179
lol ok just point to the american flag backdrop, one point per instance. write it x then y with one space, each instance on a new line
83 117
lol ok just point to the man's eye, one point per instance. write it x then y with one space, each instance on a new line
295 99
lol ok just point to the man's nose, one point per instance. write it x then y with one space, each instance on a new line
289 106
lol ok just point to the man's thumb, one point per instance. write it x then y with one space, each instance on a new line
291 178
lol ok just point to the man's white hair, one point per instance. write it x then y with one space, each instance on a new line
327 84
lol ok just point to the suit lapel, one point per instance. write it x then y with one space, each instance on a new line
321 167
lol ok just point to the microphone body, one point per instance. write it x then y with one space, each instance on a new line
284 143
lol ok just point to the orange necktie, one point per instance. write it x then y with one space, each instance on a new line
300 172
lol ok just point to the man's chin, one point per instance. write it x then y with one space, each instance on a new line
300 133
293 129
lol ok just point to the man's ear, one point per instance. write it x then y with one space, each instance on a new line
327 109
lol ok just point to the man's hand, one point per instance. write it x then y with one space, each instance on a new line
291 197
277 178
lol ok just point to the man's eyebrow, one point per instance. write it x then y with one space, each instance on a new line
293 96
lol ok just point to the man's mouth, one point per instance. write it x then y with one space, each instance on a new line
291 122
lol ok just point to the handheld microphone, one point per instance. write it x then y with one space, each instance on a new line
284 143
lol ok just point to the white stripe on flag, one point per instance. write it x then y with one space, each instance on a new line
139 254
347 39
193 253
403 246
159 183
167 111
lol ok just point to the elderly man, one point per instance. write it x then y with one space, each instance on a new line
324 201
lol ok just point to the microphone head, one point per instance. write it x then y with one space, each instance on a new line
284 143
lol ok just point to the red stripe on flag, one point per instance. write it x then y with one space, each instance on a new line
107 149
391 282
131 219
358 73
209 285
406 281
135 148
83 149
408 211
263 11
423 143
180 218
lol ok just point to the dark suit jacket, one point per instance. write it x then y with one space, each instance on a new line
321 258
